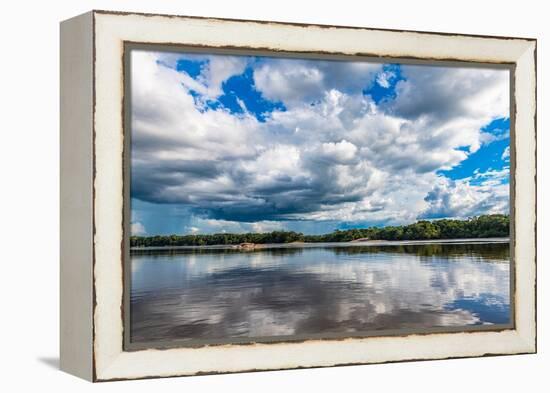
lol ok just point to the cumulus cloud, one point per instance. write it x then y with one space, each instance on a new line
454 103
333 154
483 193
209 225
301 82
137 229
342 152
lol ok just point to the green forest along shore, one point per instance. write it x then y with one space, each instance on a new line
485 226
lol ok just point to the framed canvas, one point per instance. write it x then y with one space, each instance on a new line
246 195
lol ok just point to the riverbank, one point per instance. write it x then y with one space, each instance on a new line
354 243
485 226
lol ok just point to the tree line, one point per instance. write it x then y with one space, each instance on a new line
484 226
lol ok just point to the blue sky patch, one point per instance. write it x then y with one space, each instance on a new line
500 128
490 308
200 104
383 87
160 219
192 67
488 156
239 91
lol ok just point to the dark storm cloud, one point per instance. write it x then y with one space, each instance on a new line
442 93
244 199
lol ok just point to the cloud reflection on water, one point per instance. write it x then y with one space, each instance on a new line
280 292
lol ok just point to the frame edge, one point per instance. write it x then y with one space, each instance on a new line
525 342
76 199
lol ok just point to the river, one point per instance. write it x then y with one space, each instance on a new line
212 294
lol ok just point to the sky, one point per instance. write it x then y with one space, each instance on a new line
223 143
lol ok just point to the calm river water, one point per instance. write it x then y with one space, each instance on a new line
221 293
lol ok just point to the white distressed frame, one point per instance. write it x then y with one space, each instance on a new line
110 31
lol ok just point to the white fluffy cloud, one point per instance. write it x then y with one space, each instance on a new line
202 225
333 154
295 82
483 193
137 229
452 103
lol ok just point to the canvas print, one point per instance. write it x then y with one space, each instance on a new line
283 198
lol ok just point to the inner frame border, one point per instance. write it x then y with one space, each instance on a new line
129 46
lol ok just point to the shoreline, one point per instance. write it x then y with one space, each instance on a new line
353 243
